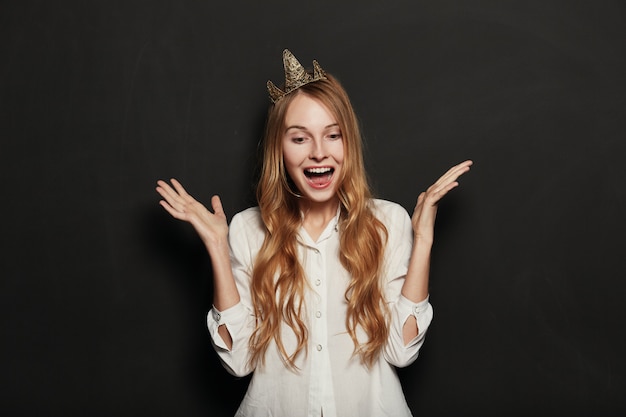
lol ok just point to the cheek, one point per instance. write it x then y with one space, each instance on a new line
292 157
339 152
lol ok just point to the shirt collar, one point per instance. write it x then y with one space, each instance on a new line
331 227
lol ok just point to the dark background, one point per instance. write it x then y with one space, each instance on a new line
103 296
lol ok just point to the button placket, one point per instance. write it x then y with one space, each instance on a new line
317 265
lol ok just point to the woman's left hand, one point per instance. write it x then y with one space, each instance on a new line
425 212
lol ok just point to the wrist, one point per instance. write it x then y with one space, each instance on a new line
216 245
423 243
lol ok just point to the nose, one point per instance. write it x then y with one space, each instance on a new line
318 149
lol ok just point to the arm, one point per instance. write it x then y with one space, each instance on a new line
213 231
415 287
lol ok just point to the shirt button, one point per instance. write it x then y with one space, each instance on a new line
319 347
317 251
217 316
318 314
318 282
416 310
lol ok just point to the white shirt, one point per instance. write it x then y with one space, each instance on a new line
330 379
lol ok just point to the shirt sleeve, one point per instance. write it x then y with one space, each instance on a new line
238 319
397 256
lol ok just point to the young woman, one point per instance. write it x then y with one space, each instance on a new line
321 290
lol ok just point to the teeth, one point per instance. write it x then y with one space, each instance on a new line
318 170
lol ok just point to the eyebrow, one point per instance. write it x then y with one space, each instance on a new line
304 128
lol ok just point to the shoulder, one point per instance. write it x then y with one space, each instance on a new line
251 214
388 211
395 218
247 222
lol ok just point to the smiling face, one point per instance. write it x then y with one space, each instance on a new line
313 151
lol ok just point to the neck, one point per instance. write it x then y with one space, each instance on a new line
316 216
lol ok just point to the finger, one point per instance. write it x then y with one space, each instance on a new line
166 190
466 163
434 196
459 168
216 203
172 211
449 177
446 189
455 172
162 185
420 201
171 196
463 165
178 197
179 187
446 186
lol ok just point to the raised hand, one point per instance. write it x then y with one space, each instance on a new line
423 218
213 230
211 227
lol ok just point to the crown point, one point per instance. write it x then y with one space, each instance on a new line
318 72
295 76
274 92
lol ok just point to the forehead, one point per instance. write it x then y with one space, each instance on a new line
309 112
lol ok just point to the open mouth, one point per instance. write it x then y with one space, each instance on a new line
319 177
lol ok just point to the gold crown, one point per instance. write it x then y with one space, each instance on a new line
295 76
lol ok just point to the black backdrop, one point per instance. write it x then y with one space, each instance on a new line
103 295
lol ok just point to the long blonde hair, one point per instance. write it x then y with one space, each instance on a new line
278 279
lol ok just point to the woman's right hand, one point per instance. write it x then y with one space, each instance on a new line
211 227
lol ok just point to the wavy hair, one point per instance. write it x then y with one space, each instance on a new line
278 279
